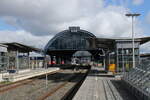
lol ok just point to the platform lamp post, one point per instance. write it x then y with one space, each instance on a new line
45 65
47 57
133 53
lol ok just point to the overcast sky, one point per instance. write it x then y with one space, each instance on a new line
35 22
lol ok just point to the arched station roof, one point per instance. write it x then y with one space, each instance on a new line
72 39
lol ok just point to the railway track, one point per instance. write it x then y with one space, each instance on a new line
14 85
60 87
7 87
58 84
50 93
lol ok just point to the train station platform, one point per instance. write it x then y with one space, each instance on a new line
101 86
25 74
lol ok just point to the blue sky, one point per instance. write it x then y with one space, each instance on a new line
5 26
143 9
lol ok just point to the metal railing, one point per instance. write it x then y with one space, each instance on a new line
139 78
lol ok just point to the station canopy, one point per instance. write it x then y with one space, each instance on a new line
14 46
110 42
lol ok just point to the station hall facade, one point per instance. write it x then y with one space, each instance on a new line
104 51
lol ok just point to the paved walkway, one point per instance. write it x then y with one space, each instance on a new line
98 86
28 74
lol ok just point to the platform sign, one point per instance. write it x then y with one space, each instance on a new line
48 58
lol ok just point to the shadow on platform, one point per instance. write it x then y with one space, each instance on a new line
99 73
122 90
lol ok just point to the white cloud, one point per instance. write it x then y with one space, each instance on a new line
43 17
24 37
138 2
145 48
37 19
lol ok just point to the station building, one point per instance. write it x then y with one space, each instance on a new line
19 61
16 56
3 57
104 51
